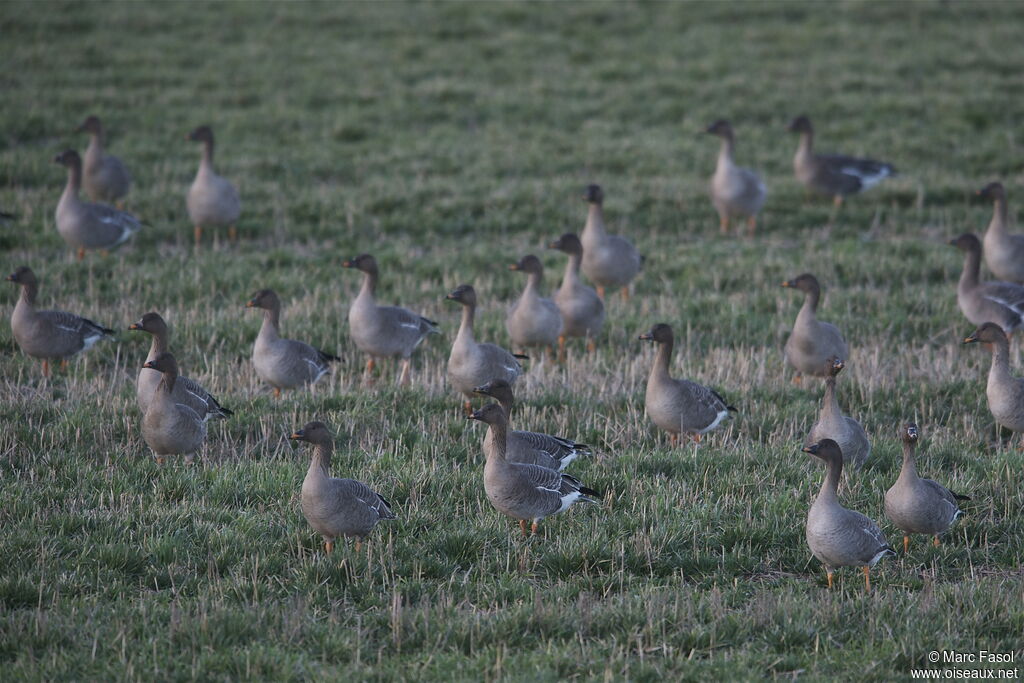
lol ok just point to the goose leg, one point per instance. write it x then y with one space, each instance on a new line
197 233
828 574
467 407
696 437
533 528
233 233
159 460
522 525
591 345
328 546
561 348
46 367
751 225
359 545
867 578
723 224
673 439
403 381
81 253
600 291
370 365
906 543
798 379
277 393
936 542
625 293
63 364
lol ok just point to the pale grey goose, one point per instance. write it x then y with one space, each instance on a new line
105 178
533 320
812 342
169 427
1004 251
581 308
832 424
609 261
85 225
736 192
981 302
1005 392
212 200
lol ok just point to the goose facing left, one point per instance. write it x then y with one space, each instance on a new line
212 200
736 192
105 178
169 427
993 301
85 225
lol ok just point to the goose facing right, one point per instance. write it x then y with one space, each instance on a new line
581 308
1004 251
832 424
993 301
169 427
735 191
812 342
85 225
212 200
105 178
1005 392
609 261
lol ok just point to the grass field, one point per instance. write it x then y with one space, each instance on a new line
449 140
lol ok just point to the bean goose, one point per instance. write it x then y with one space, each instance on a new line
1005 392
521 491
812 342
839 537
835 175
832 424
609 261
533 320
471 364
169 427
992 301
283 363
85 225
532 448
49 334
336 508
1004 251
212 200
679 406
916 505
581 308
105 178
186 391
735 191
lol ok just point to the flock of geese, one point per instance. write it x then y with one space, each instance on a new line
524 475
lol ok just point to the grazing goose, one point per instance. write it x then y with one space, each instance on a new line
471 364
833 174
49 334
609 261
169 427
533 320
581 308
212 200
283 363
532 448
85 225
383 331
1004 251
992 301
832 424
679 405
916 505
839 537
812 342
336 507
105 179
735 191
524 492
1005 392
186 391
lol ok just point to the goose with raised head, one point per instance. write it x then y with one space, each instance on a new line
85 225
581 308
1005 392
832 424
1004 251
104 177
533 320
170 427
609 261
736 192
212 200
812 342
981 302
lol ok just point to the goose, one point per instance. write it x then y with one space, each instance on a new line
186 391
336 508
812 342
471 364
992 301
169 427
833 174
85 225
735 191
679 405
608 260
105 178
283 363
1005 392
383 331
212 200
1004 251
533 320
839 537
49 334
553 452
832 424
581 308
916 505
521 491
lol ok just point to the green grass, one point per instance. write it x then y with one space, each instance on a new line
449 140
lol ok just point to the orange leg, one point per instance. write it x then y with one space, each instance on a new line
370 365
277 393
906 543
403 381
696 437
673 439
600 292
625 293
329 546
867 579
359 544
160 460
197 233
798 379
591 345
533 528
46 367
233 233
751 225
63 364
723 224
522 525
81 253
837 201
829 575
936 542
467 407
561 348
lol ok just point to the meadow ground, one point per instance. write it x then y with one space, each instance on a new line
449 140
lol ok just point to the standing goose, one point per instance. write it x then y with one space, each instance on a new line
1005 392
916 505
383 331
581 308
1004 251
679 406
283 363
212 200
553 452
169 427
832 424
85 225
735 191
812 342
336 508
186 391
992 301
839 537
49 334
533 320
609 261
524 492
471 364
105 179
